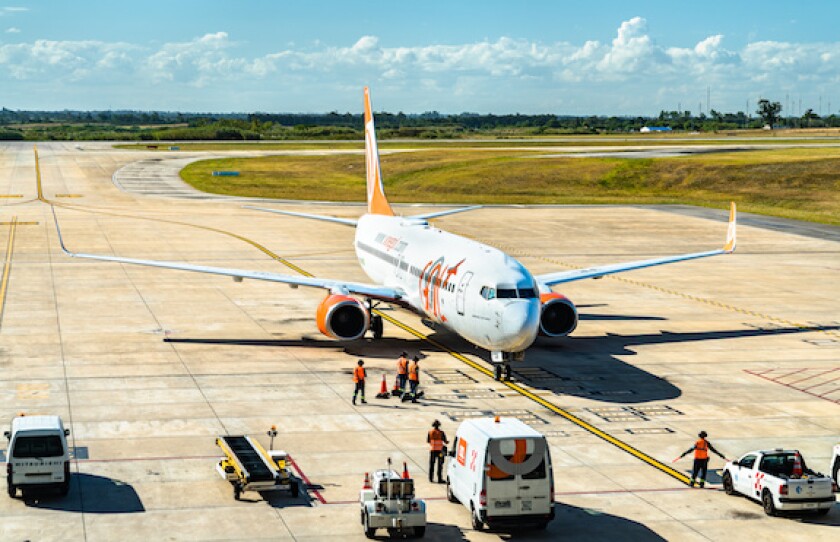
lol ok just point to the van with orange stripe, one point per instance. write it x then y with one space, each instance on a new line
500 469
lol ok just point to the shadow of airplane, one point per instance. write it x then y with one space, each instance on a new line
579 366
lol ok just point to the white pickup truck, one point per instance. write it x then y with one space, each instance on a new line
780 480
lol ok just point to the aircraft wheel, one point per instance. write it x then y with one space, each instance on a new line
376 326
497 372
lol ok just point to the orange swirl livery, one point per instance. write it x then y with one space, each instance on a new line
488 298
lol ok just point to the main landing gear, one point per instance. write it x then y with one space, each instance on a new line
501 364
376 325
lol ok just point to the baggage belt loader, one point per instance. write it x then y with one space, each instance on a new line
249 467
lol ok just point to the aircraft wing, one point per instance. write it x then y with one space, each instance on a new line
437 214
345 221
550 279
336 286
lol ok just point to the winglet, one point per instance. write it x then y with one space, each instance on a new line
377 203
730 233
58 230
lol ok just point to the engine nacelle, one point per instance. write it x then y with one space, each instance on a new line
342 317
559 317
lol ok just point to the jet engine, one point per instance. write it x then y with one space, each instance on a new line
342 317
559 316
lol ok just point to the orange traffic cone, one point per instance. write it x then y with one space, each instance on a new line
396 392
367 482
405 471
797 466
383 390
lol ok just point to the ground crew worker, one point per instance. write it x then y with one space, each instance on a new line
414 377
402 371
701 458
359 375
437 449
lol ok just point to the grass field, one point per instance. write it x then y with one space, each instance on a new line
802 184
558 142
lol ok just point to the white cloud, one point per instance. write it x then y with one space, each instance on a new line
13 30
631 71
12 9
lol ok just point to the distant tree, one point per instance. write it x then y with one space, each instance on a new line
809 117
769 111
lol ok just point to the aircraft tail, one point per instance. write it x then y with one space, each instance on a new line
376 200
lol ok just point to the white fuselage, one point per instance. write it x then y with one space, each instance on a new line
477 291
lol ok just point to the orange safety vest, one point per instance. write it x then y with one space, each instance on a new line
402 366
436 440
412 372
701 449
359 374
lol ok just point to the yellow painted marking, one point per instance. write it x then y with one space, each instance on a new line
33 392
7 266
11 195
7 223
38 175
69 196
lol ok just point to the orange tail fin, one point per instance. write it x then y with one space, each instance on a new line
377 202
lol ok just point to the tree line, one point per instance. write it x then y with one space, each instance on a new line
169 126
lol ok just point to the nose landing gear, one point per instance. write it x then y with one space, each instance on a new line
501 364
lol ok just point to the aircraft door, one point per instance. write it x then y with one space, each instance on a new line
460 296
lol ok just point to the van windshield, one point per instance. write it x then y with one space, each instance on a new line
43 446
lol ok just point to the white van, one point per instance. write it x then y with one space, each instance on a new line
500 469
37 455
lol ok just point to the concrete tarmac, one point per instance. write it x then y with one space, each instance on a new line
148 366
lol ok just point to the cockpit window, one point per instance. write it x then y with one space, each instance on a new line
488 292
527 293
506 293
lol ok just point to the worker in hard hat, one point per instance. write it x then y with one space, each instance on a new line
701 450
413 379
437 449
359 375
402 372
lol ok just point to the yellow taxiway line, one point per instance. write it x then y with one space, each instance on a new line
7 266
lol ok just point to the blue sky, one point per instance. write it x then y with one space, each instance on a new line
595 57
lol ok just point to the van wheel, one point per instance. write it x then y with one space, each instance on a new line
727 484
767 503
12 488
477 524
449 495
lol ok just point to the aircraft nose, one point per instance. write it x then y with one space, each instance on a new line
520 323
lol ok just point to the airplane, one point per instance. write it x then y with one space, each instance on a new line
475 290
